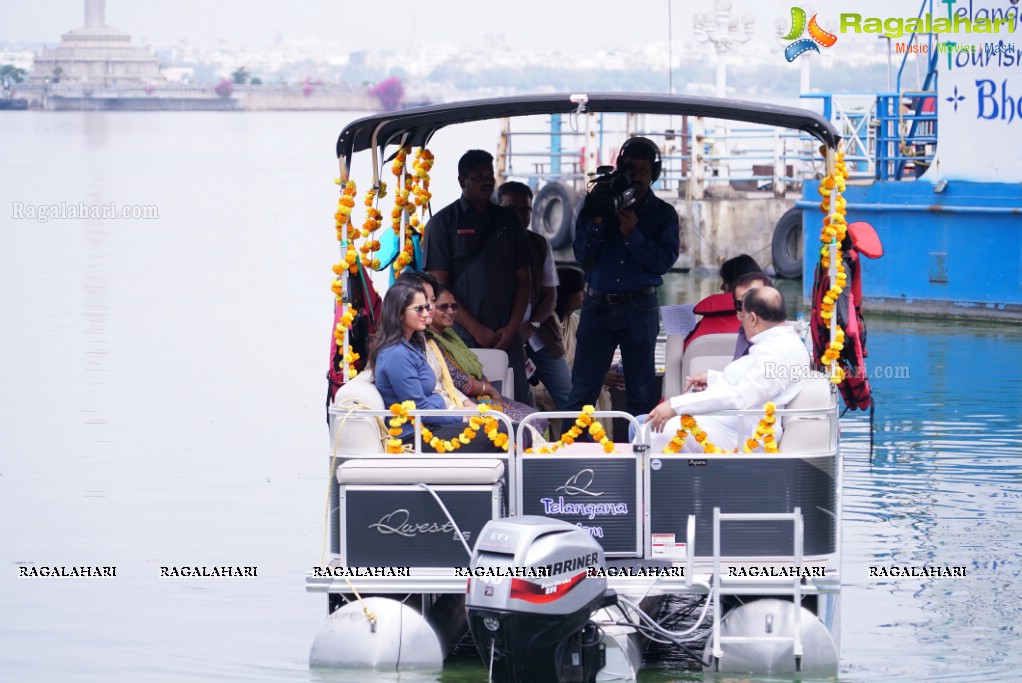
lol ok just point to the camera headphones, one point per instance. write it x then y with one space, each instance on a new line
647 144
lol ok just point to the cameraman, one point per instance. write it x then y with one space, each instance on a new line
624 256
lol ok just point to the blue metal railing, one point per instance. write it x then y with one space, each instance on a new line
895 148
904 131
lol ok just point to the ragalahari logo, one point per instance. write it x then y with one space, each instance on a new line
798 27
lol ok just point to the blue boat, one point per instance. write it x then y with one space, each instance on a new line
939 175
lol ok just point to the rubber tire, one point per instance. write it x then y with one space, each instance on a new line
553 214
786 247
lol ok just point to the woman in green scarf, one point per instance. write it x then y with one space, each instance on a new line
464 367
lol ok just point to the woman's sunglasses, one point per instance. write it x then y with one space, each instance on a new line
448 307
421 308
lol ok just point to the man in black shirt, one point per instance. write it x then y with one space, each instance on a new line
481 251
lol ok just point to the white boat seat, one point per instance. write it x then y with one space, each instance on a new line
380 471
359 433
708 352
496 369
810 433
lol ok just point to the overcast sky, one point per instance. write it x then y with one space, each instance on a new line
376 24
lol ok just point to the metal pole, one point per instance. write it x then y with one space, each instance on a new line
832 271
670 54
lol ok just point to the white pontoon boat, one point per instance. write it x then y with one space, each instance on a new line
552 560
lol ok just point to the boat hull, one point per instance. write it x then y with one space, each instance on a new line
950 250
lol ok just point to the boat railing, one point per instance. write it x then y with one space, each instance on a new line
906 133
700 154
641 506
748 419
885 135
361 413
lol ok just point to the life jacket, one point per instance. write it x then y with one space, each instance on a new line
861 240
368 303
718 316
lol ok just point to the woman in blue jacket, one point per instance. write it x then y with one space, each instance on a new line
400 370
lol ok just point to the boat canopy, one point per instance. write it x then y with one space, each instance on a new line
416 126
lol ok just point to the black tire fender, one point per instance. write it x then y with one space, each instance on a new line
553 214
786 248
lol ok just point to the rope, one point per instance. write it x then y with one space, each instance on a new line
351 405
872 405
461 536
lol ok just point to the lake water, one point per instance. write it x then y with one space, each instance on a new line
164 386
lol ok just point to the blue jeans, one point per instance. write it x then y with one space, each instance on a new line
604 327
553 373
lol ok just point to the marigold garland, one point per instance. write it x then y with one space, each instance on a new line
483 422
414 184
345 232
413 195
835 229
420 168
583 422
374 218
764 434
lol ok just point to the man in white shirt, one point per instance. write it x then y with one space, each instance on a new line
775 369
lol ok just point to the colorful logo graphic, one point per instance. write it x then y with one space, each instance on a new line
798 27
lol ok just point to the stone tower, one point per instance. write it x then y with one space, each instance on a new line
96 55
95 13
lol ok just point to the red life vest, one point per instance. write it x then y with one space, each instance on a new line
718 316
855 390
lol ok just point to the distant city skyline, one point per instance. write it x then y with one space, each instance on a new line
531 24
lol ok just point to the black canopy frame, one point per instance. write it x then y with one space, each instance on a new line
415 127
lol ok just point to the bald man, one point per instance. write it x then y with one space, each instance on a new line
775 369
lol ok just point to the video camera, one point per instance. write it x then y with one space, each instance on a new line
610 191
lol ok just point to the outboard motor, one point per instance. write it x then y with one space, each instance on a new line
530 600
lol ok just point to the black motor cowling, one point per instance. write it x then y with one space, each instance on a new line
530 600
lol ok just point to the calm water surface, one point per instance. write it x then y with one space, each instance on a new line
163 388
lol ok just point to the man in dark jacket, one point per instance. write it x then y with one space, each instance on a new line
625 255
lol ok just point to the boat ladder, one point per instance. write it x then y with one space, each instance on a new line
795 590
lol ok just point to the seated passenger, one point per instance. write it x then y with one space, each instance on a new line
459 371
397 358
570 293
739 288
774 370
718 310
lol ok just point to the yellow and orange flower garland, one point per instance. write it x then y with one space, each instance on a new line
476 423
835 227
373 221
345 233
764 435
583 422
413 194
415 184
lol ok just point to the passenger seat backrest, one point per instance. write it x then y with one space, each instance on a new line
810 433
496 369
359 433
708 352
674 381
